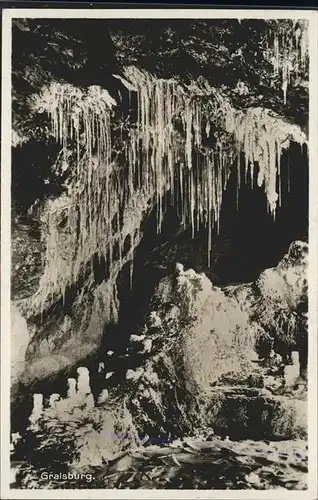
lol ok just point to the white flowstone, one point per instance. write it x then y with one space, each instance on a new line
179 268
83 386
109 374
90 450
101 367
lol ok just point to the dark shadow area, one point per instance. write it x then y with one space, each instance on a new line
257 240
33 177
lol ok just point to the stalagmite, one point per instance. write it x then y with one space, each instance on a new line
37 408
83 386
71 388
292 371
54 398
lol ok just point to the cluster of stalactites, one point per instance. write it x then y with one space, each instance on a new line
176 161
288 51
262 136
169 150
80 117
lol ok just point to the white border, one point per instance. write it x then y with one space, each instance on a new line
126 13
167 13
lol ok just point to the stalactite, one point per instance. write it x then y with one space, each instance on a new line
262 136
287 51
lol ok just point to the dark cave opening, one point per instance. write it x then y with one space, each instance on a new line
257 239
33 178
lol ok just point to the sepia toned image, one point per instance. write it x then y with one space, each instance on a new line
159 250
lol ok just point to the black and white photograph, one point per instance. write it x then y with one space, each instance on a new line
158 230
